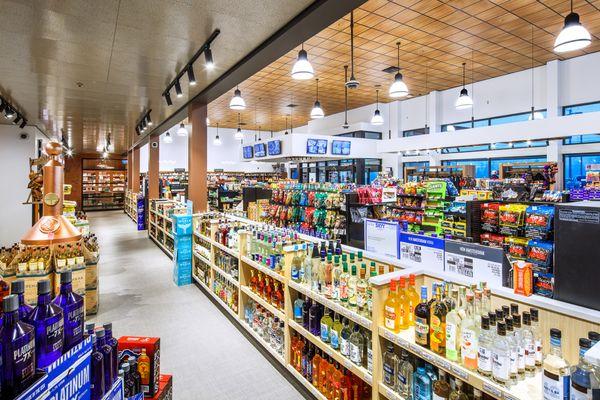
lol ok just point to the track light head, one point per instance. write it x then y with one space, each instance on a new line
178 89
17 119
168 99
149 120
9 113
191 76
208 58
23 123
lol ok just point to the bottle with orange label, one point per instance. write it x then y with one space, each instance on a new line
422 319
144 367
437 325
391 309
403 307
413 299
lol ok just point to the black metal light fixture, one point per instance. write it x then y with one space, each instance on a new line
178 90
144 122
10 111
191 76
352 83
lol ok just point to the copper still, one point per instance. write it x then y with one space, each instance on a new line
52 227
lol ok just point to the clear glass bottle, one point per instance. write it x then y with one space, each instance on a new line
421 385
356 346
404 375
537 336
518 337
336 274
361 291
390 362
555 378
334 334
529 345
352 281
453 323
501 356
345 339
514 350
343 285
326 325
298 307
484 356
441 387
583 379
469 336
457 393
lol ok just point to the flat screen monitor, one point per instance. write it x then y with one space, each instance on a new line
248 153
274 147
340 147
316 146
260 150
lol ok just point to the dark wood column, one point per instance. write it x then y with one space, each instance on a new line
197 157
153 158
135 170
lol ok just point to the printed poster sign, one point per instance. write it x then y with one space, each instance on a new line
382 237
422 251
475 262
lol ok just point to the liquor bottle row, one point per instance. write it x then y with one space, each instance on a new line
265 244
350 339
227 263
269 327
333 380
268 288
226 291
227 233
36 337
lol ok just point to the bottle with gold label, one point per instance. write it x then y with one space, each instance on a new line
403 305
144 367
437 324
422 320
391 309
413 299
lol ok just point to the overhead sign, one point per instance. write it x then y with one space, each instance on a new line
422 251
476 262
382 237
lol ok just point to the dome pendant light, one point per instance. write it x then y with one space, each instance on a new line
238 134
217 141
573 35
302 70
398 88
464 101
352 83
346 125
377 118
317 111
182 131
168 139
237 102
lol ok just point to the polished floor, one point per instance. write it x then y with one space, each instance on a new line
207 355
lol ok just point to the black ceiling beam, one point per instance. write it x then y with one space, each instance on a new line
312 20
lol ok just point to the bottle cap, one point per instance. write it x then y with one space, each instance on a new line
89 326
516 318
10 303
499 314
360 254
107 326
526 318
555 333
93 339
506 311
509 323
492 317
585 343
485 322
43 286
17 287
594 336
125 367
100 333
534 314
66 277
501 329
514 308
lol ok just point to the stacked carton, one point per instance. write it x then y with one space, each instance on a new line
182 252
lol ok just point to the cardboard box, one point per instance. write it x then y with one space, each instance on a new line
78 283
116 392
31 285
182 224
91 276
165 388
91 301
150 366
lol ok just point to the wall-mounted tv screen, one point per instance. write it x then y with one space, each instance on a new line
340 147
316 146
260 150
274 147
248 153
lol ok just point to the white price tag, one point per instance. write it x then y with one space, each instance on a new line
328 351
416 349
348 364
391 394
428 357
494 391
460 373
368 378
389 336
444 364
508 396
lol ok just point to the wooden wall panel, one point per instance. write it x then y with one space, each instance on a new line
153 175
197 157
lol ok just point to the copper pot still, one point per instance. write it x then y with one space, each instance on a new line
52 227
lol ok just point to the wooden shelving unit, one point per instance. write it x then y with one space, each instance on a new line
103 189
160 227
573 320
130 205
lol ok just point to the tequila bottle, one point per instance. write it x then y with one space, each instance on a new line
422 320
583 379
441 387
484 356
501 356
404 379
453 330
390 362
556 375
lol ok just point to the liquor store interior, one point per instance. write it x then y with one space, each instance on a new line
300 199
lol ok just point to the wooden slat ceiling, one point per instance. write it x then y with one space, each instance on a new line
492 36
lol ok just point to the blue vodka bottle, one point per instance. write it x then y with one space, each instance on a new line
73 312
18 288
114 345
106 351
97 386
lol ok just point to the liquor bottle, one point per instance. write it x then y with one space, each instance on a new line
458 393
315 367
484 356
514 350
326 325
501 356
135 375
307 266
390 362
328 286
431 372
352 282
404 375
413 299
335 277
106 351
518 338
89 328
368 351
391 309
18 289
529 345
469 337
17 339
97 386
453 330
298 307
114 345
361 291
128 382
144 368
583 378
315 261
334 334
72 306
477 394
422 320
421 385
556 375
314 319
440 387
323 371
537 336
343 285
437 324
403 306
305 313
295 266
330 249
48 322
345 339
356 346
370 292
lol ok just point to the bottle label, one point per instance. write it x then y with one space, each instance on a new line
422 393
298 312
401 378
421 331
73 324
514 361
501 366
388 374
355 354
484 361
530 354
295 274
451 338
343 291
23 357
555 387
390 317
438 329
370 359
334 338
521 358
345 347
361 298
469 344
580 393
324 333
538 351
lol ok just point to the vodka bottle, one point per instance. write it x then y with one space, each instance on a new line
106 351
298 307
334 334
404 378
583 379
326 325
484 357
556 375
72 306
336 273
356 346
528 345
114 345
307 266
345 339
390 362
537 336
18 288
97 386
514 350
501 356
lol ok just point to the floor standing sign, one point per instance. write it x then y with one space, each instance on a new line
476 262
382 237
422 251
141 213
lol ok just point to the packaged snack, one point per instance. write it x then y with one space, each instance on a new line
540 253
489 217
543 284
539 221
522 278
517 247
492 240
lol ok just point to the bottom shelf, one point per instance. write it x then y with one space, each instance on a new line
162 247
313 390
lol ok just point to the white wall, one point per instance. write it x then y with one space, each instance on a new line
14 164
144 154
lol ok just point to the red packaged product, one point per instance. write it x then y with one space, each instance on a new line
147 352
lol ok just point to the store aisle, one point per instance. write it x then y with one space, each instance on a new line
207 355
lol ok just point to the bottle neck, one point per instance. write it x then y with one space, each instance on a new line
66 288
44 299
555 347
21 298
582 351
11 318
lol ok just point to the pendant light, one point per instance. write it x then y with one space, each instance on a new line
573 35
377 119
238 134
346 125
464 101
317 111
182 131
167 138
534 114
352 83
237 102
217 140
302 70
286 131
398 88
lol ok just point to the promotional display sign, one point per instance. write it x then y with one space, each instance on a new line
476 262
382 237
141 213
422 251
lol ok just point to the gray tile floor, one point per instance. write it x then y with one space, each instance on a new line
205 352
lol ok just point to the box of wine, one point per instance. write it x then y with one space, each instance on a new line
91 301
91 276
147 352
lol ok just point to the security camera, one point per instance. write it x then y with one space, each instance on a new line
24 135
